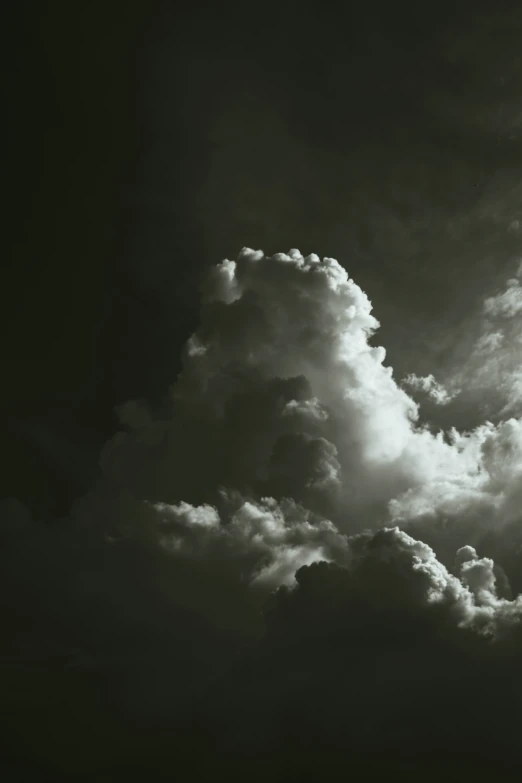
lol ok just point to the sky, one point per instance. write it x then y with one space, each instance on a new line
261 513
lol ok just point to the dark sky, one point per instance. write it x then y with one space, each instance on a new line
146 142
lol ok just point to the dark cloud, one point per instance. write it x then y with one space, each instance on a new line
361 667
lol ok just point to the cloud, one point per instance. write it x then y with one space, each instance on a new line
478 487
280 391
506 304
287 460
391 572
283 394
258 544
389 652
431 387
284 399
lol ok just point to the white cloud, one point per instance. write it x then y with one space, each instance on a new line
469 596
266 541
430 387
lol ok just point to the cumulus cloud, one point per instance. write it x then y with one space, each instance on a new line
287 459
392 572
281 393
285 404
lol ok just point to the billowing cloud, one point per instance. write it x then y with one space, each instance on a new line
284 399
283 394
287 460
